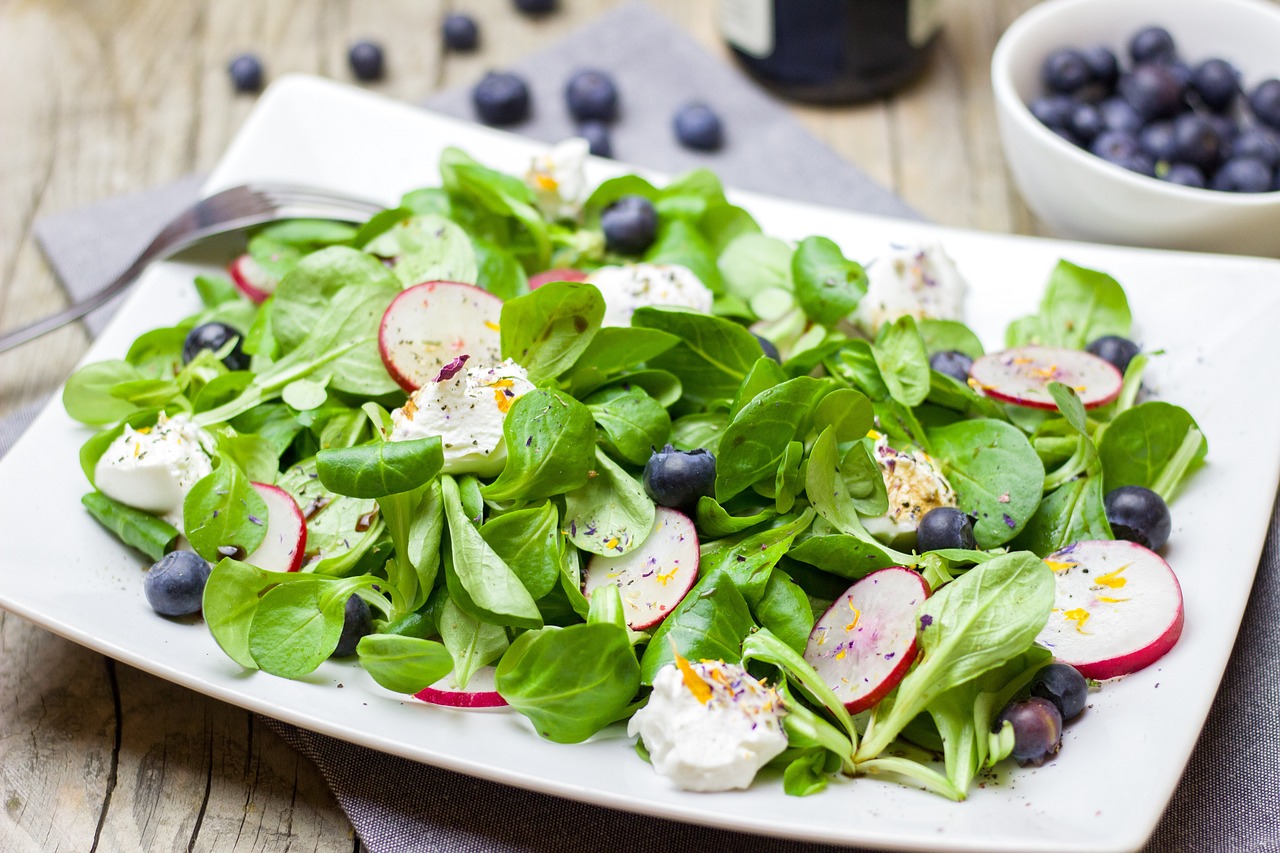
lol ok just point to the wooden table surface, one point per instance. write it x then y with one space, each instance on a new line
99 97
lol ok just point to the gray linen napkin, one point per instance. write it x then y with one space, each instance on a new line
1228 798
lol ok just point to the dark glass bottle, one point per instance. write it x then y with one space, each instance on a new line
831 51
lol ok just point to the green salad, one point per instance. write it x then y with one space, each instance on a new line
583 456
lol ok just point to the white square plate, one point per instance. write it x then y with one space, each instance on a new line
1217 317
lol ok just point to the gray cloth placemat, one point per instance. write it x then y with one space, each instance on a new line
1228 800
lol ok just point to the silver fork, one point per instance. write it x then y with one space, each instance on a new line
230 210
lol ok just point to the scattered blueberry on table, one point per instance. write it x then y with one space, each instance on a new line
501 98
246 72
535 7
366 60
630 225
591 94
698 126
1193 125
598 139
460 32
174 586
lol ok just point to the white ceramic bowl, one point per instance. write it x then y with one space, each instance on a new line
1081 195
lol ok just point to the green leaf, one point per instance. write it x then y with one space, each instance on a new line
614 349
381 467
710 622
297 624
215 290
784 609
158 353
334 522
752 263
305 293
712 357
715 521
748 559
950 336
828 285
427 247
570 682
904 365
223 510
142 530
255 455
678 242
610 514
472 643
479 580
633 423
1079 305
765 374
996 474
1139 443
87 395
403 664
528 540
550 440
756 440
498 271
847 411
231 598
840 488
415 521
1070 513
701 430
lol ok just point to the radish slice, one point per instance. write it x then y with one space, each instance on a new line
563 274
866 641
480 694
1022 375
252 278
654 577
431 324
1117 608
285 544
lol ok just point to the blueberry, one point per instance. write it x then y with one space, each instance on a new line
1065 70
952 363
1217 83
1064 686
1265 102
246 72
1260 142
1243 175
1115 146
1142 163
770 349
597 135
357 622
460 32
677 478
1157 140
1115 350
592 94
1086 123
944 527
630 225
1184 174
1053 110
213 337
1153 91
536 7
1196 142
1137 514
501 98
1104 69
174 586
1067 134
1152 44
1181 72
365 59
1037 729
1118 115
1226 127
697 126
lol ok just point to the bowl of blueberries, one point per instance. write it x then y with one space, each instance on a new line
1146 122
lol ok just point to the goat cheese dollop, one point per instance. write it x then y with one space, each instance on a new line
626 288
915 484
920 281
557 179
466 407
709 726
153 468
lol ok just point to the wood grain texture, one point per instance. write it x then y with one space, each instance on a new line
104 96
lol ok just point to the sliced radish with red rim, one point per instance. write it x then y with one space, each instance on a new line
563 274
1022 375
1117 608
656 576
285 543
252 278
480 694
866 641
430 324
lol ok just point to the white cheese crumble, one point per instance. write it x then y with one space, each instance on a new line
710 726
557 179
466 409
153 468
915 484
920 281
626 288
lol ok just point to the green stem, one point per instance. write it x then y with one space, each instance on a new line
1170 477
931 779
